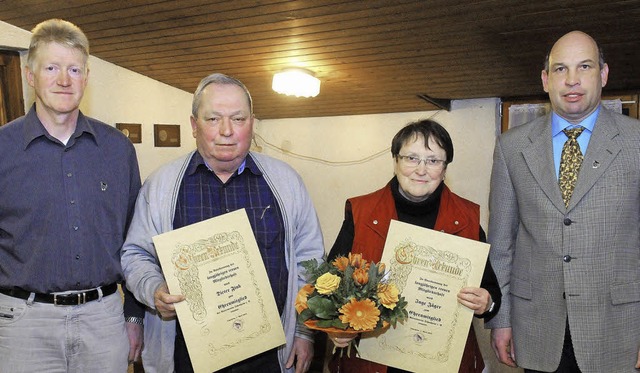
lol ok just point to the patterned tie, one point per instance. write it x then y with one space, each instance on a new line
570 162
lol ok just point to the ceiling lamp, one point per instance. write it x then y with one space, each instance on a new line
296 82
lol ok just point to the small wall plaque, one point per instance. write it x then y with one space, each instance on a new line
132 130
166 135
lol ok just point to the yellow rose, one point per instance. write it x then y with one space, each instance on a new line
301 298
388 295
327 283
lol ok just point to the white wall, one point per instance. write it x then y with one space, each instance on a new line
345 156
118 95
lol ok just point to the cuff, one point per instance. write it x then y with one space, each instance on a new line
134 320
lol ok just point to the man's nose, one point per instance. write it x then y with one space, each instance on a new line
226 129
573 77
63 78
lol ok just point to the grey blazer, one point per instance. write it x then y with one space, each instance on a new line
580 263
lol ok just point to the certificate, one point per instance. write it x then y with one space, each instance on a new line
229 313
429 268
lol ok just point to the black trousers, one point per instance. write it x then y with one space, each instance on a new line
568 363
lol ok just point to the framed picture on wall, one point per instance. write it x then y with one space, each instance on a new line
132 130
166 135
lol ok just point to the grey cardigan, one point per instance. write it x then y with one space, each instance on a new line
154 213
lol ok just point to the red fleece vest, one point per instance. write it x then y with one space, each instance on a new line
372 214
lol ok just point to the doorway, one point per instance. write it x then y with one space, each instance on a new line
11 100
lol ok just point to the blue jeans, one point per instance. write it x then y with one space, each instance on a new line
41 337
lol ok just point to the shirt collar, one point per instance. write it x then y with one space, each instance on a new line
198 161
250 164
558 123
34 129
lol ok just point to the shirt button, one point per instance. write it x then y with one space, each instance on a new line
69 174
375 222
73 201
75 227
77 256
567 222
566 258
456 223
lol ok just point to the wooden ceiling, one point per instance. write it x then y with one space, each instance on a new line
372 56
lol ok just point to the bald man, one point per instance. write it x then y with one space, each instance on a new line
568 263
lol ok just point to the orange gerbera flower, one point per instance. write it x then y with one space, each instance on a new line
360 315
361 276
341 263
388 295
301 298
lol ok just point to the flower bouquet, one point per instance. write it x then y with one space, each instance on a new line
349 296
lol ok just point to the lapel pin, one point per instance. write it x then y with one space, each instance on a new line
103 186
596 164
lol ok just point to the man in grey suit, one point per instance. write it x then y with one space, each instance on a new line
569 273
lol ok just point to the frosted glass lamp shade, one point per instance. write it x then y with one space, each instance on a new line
296 82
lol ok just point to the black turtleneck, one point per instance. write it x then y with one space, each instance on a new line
423 213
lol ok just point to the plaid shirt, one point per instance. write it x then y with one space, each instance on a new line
202 196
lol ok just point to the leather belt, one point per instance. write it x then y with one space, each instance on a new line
73 299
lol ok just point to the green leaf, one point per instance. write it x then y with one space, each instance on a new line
306 315
322 307
336 323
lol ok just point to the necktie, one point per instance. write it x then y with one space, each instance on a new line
570 162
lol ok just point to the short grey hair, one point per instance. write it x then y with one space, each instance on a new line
217 78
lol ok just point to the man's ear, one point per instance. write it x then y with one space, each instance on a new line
604 74
29 74
544 76
194 126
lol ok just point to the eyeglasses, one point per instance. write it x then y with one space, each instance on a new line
430 163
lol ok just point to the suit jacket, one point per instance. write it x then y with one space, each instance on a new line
580 263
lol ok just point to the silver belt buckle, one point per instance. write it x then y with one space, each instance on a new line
82 299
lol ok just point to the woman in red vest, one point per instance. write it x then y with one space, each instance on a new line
416 195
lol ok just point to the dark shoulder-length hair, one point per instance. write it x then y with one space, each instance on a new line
426 129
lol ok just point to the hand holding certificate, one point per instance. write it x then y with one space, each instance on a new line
229 313
430 268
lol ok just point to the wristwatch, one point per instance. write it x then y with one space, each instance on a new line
137 320
493 304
